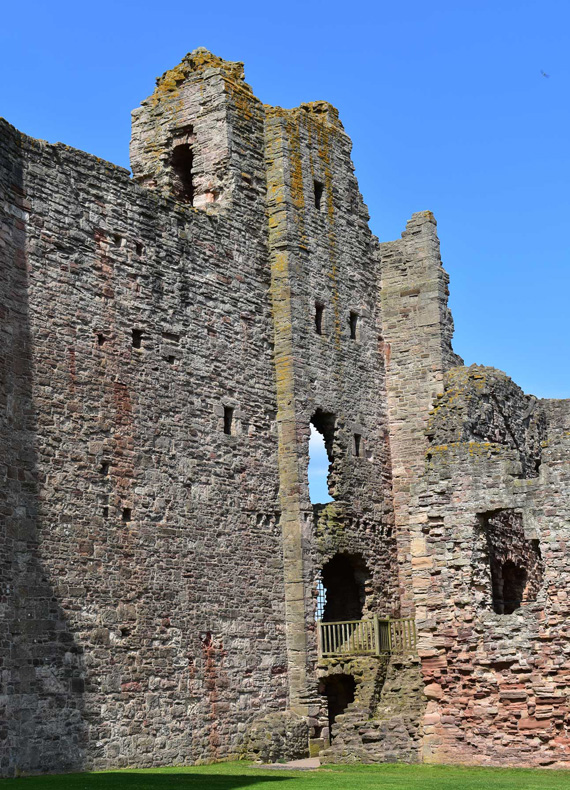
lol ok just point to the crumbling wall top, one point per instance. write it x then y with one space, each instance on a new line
482 404
200 60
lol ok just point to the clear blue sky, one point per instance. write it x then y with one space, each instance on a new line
445 103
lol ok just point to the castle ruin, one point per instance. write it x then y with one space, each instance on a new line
169 594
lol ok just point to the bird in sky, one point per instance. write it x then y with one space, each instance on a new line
544 74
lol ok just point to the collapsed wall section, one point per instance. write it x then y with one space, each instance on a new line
491 575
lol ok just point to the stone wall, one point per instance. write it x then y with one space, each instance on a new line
134 322
167 340
416 343
321 254
497 683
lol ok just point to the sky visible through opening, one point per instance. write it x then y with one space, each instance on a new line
318 469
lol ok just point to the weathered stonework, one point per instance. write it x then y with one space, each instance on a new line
167 340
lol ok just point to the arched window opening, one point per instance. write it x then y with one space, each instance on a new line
339 692
321 457
181 162
345 578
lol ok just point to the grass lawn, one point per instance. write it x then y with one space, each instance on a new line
227 776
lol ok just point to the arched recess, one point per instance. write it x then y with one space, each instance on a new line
345 578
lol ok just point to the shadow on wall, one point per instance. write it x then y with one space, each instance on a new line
42 678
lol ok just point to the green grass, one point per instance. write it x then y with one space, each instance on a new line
231 776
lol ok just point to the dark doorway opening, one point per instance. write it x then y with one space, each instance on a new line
508 587
182 184
344 578
339 691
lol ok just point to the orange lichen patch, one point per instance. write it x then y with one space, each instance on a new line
197 61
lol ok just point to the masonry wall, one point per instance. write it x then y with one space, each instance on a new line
323 255
160 369
133 638
416 345
497 683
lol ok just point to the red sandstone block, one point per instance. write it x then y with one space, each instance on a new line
533 724
433 691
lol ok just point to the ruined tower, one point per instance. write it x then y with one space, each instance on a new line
169 592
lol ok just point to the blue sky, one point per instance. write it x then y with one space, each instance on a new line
444 101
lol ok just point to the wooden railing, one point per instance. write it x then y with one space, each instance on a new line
372 637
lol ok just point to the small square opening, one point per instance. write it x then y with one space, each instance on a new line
228 420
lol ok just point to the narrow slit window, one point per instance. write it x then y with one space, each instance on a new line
319 311
318 186
357 445
137 338
100 338
127 514
353 325
105 468
228 420
182 177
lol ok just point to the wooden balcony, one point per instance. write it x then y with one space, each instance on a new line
373 637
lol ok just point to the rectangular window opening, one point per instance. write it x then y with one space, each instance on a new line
319 187
357 445
228 420
182 162
127 513
137 338
353 325
319 310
